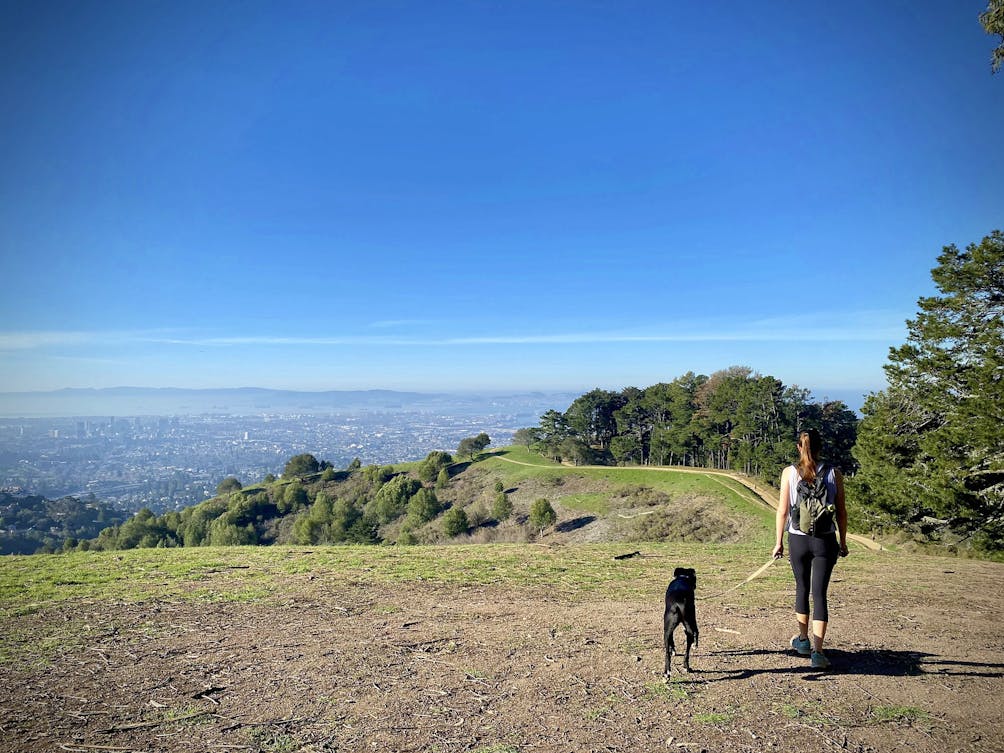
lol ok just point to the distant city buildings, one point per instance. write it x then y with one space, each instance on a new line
166 463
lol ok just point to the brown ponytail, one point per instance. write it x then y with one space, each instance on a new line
810 447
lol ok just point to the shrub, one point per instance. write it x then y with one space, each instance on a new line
477 514
542 515
502 508
423 506
228 485
434 462
455 522
301 465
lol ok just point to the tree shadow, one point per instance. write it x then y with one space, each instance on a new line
868 662
459 467
574 524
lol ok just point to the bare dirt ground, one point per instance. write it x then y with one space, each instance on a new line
338 665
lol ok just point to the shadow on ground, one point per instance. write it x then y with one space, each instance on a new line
873 662
574 524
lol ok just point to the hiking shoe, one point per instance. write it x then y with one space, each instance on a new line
802 646
819 660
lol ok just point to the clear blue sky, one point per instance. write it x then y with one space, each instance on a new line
513 195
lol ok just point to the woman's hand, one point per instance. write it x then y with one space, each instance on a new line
779 551
843 549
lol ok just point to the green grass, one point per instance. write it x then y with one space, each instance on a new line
597 503
898 714
672 690
252 574
676 483
810 712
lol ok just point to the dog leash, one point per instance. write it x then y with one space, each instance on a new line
750 577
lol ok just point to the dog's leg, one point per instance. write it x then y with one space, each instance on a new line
691 639
691 619
690 628
668 625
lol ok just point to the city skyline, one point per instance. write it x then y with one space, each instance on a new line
481 197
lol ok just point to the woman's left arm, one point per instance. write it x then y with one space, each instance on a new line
841 512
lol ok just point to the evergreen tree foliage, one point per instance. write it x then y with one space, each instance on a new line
301 465
434 462
422 507
502 507
32 523
931 446
455 522
993 23
392 499
735 419
542 515
526 437
591 417
228 485
473 446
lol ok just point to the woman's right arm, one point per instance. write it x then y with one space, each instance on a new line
781 518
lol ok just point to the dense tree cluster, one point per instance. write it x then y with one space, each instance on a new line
732 419
30 524
311 504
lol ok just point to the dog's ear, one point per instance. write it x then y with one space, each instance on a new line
679 571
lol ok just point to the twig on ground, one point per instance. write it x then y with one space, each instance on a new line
144 725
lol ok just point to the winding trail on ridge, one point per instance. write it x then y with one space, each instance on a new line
764 495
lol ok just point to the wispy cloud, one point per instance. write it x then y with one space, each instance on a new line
396 323
56 339
863 326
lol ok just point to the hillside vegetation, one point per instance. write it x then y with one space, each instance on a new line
509 495
32 523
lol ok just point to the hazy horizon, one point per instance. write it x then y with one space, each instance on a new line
124 401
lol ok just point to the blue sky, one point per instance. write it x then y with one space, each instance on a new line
482 195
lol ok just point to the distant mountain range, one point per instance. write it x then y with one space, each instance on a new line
142 401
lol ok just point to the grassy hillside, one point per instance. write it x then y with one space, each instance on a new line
441 499
632 504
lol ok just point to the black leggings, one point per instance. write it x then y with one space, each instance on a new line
812 560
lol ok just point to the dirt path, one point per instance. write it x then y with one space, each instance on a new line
764 495
333 664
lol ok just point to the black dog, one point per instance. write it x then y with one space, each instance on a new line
680 608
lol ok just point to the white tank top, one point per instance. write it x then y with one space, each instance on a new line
831 495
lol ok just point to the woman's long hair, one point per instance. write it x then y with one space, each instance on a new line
810 447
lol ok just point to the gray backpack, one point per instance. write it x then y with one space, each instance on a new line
812 513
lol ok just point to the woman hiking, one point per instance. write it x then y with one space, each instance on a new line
813 546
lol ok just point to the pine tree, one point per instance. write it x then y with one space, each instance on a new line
931 447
